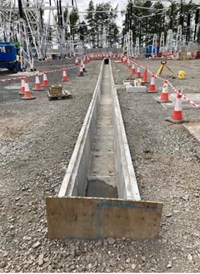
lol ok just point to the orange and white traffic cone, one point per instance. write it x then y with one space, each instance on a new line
37 84
84 70
138 73
132 72
164 97
45 82
177 115
128 63
76 61
22 92
133 69
145 76
152 86
124 60
27 93
81 71
64 75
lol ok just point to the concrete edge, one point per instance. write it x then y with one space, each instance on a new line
124 164
79 157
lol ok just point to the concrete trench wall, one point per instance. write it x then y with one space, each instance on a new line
75 180
127 183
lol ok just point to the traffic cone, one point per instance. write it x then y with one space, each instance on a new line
164 97
124 60
45 82
37 84
145 76
133 69
81 71
64 75
138 73
177 115
76 61
128 63
84 70
22 92
132 73
152 86
27 94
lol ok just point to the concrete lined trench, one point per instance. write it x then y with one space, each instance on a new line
95 168
99 170
102 173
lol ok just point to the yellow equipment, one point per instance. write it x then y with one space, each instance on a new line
163 65
181 74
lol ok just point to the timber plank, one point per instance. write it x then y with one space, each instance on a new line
95 218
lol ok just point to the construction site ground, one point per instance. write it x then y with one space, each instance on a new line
37 138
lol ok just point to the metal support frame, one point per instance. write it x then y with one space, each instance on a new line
178 43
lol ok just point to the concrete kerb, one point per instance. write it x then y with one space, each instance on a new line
123 160
70 180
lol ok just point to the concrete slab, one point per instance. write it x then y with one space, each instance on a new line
194 129
103 144
103 131
102 164
105 109
106 100
104 120
128 82
130 88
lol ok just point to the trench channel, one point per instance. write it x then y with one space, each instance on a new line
102 173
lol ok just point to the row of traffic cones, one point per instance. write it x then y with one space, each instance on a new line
25 90
177 115
137 74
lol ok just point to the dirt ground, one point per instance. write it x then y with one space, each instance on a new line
37 138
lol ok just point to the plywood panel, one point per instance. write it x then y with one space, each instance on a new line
94 218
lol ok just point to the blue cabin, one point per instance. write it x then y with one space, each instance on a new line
8 57
7 52
152 49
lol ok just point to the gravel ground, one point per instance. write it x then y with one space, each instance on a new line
36 142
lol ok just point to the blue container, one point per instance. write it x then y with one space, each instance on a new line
152 49
7 52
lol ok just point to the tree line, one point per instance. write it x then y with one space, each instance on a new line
98 27
144 18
